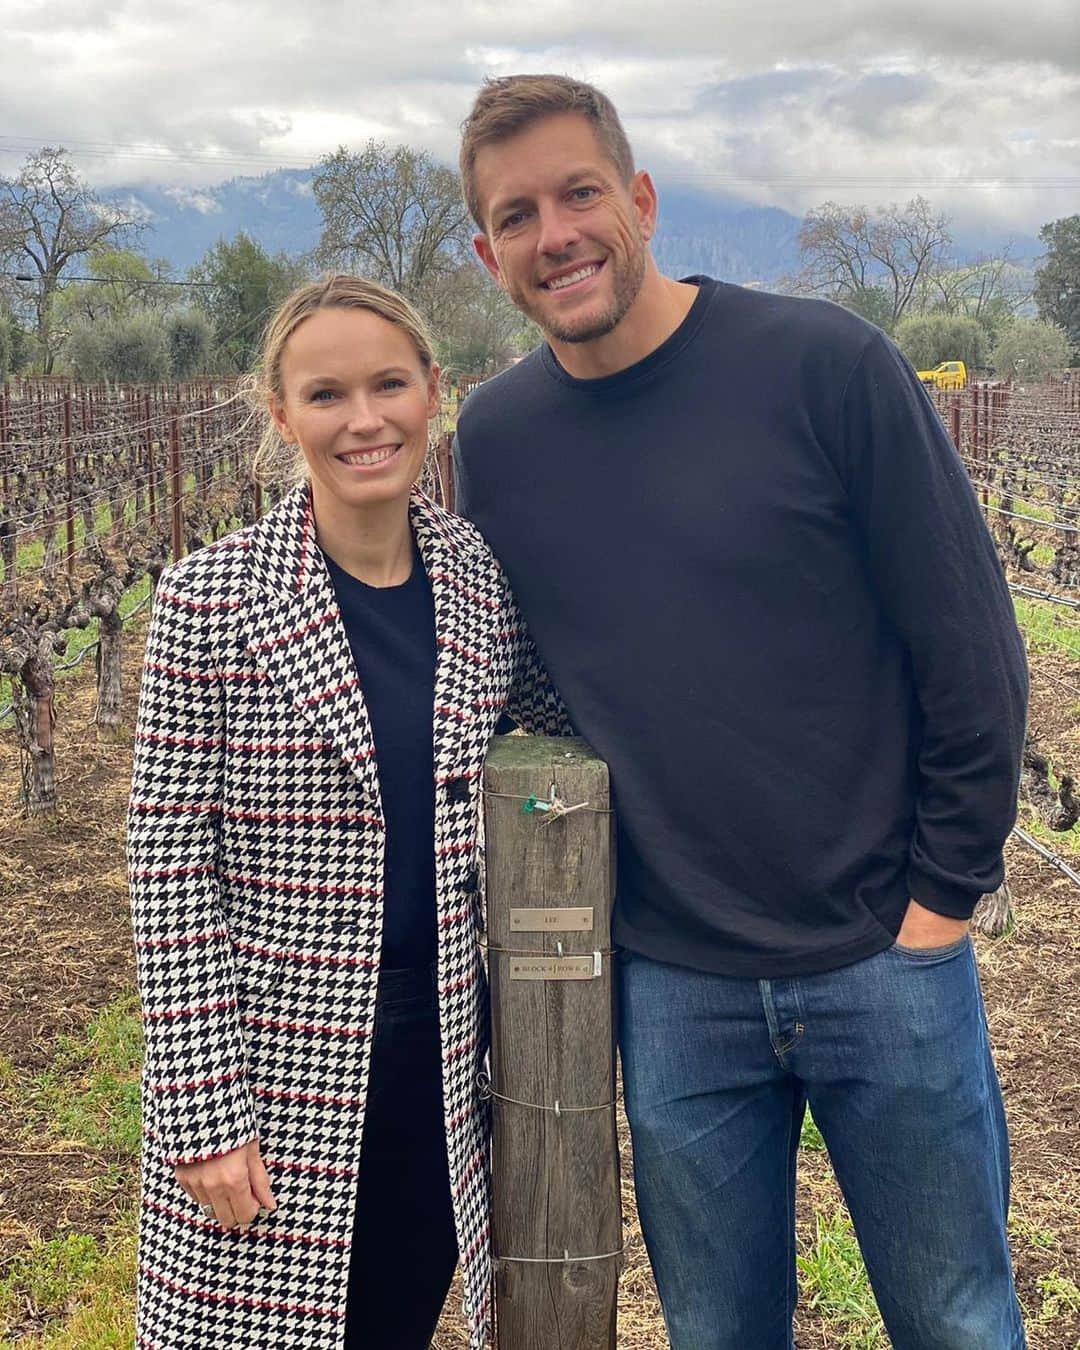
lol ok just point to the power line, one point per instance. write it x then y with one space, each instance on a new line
227 159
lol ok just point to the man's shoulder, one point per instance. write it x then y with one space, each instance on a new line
792 319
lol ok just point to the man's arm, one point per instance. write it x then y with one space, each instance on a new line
938 578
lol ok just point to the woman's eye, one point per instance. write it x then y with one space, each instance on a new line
322 395
393 382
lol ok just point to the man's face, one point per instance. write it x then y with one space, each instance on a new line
565 238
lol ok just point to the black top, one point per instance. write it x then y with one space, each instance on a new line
758 574
391 631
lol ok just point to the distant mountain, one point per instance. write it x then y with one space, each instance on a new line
722 236
277 209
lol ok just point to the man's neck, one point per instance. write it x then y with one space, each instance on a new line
661 305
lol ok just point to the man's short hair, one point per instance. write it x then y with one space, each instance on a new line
505 106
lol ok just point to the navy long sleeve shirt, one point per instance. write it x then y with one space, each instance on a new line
756 571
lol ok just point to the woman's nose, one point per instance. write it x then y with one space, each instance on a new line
364 414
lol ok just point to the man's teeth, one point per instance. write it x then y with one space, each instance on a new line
370 456
557 283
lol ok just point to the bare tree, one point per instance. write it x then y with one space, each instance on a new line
851 252
48 218
393 214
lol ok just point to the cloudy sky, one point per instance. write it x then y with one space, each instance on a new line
976 105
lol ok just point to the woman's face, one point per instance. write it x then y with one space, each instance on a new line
357 400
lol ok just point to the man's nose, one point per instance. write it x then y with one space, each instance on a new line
558 230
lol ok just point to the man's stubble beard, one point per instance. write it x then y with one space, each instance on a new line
627 282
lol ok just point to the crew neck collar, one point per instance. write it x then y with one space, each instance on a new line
672 345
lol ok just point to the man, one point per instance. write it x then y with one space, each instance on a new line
758 575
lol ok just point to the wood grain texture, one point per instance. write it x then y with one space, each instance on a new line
556 1177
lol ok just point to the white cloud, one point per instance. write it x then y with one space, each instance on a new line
836 99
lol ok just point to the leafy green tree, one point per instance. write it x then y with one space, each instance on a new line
1057 281
49 219
128 284
873 303
131 350
928 339
1030 350
245 286
189 337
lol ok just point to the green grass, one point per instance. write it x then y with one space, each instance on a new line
810 1140
90 1091
1059 1295
77 1290
80 638
834 1285
1047 627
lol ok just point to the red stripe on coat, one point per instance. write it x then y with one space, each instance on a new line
249 1234
307 887
319 619
190 1011
283 1024
236 1300
182 939
464 651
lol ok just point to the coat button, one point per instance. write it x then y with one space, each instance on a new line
457 790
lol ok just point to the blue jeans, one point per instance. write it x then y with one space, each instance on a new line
892 1055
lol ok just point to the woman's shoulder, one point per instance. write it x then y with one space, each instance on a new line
214 573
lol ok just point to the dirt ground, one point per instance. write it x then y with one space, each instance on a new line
65 953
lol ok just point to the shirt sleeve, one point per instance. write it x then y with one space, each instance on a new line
197 1101
937 575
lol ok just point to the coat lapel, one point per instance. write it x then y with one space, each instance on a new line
464 623
295 634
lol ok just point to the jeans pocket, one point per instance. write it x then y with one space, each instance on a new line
923 956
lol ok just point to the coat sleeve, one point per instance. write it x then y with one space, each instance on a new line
196 1098
533 703
936 573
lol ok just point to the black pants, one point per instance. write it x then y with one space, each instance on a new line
404 1249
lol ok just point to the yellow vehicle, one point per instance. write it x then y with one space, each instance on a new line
948 375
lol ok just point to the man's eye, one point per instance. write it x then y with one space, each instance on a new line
583 194
511 221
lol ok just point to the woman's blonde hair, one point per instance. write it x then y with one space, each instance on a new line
275 461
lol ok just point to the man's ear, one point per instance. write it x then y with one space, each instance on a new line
486 254
281 421
643 195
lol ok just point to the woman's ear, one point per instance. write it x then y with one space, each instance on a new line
434 399
281 421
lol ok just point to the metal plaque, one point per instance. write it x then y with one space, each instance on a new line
556 967
552 920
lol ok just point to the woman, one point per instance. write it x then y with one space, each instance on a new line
318 694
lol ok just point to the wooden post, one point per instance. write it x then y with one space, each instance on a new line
175 486
444 469
69 474
550 885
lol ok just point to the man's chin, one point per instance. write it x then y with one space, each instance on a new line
586 329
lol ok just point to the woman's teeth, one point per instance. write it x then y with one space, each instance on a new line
370 456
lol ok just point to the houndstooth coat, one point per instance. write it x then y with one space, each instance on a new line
255 849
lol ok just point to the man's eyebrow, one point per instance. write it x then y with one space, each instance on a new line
571 180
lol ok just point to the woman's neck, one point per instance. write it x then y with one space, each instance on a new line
372 543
